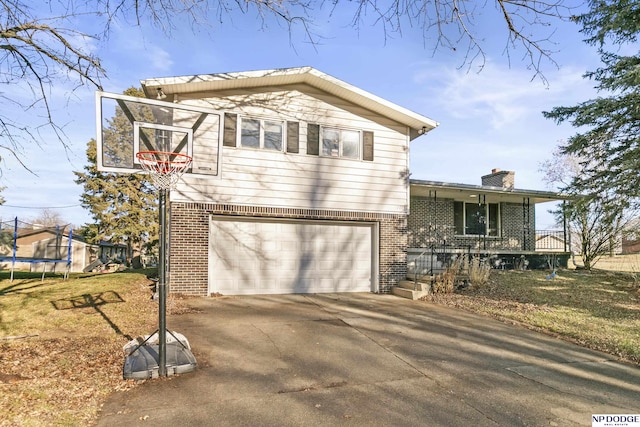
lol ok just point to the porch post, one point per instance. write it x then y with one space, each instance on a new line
564 224
526 219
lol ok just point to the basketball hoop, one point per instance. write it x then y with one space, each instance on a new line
165 167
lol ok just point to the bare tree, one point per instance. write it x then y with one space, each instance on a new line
41 47
49 218
451 24
595 222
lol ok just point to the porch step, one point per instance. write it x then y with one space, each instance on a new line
411 290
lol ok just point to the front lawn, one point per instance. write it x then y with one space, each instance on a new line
599 310
61 343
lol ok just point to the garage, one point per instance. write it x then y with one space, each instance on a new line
270 256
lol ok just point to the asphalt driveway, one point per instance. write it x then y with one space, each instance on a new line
374 360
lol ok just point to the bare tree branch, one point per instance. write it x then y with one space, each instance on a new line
40 51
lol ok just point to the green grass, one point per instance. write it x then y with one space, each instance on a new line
32 306
61 343
599 310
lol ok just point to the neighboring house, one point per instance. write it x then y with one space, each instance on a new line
39 248
630 246
109 257
551 241
312 192
629 241
112 252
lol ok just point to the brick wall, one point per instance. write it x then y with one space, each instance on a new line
498 178
189 240
517 236
431 223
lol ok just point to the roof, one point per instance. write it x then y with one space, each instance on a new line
106 243
463 192
418 123
51 232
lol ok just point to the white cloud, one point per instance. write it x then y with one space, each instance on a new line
499 96
159 58
139 50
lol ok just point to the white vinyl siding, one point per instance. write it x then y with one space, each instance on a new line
278 179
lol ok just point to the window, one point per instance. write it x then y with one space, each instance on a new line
332 142
340 143
476 219
258 133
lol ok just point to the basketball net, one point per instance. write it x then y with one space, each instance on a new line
165 168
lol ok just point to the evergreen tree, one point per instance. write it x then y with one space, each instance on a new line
609 125
123 206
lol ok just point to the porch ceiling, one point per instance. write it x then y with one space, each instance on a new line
467 193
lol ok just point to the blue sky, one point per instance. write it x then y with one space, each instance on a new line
488 119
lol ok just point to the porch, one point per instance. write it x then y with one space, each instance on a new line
493 221
435 259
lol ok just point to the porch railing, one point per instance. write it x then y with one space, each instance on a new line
434 260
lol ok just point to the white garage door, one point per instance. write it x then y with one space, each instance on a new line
249 256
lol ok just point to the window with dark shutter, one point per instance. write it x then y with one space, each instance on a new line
293 134
313 139
367 145
230 126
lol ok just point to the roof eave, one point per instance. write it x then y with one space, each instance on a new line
537 195
417 123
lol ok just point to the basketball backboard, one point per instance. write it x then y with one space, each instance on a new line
127 125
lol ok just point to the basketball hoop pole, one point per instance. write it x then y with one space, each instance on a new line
162 285
165 169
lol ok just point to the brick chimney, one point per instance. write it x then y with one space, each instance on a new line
499 178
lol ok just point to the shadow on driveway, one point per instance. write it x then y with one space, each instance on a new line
375 360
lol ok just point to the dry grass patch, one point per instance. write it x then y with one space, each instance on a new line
61 343
597 310
626 263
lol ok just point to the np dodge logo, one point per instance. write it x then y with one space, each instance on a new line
610 420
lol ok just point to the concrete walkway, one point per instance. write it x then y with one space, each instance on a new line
372 360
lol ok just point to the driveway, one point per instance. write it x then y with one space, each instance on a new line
374 360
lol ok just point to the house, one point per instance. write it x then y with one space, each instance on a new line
45 248
311 192
630 246
112 252
312 195
551 240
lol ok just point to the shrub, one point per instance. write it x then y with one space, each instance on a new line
479 271
445 282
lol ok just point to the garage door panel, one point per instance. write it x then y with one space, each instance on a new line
252 256
266 284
